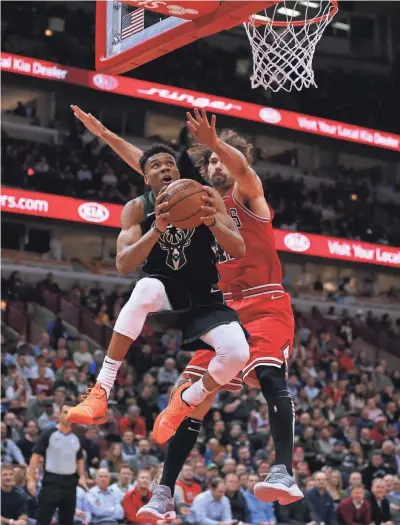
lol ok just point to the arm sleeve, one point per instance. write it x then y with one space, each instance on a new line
79 454
227 511
333 515
15 453
344 515
42 443
23 506
118 513
269 512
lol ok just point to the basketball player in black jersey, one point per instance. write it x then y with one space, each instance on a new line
182 276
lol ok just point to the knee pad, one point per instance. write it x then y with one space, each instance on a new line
272 381
149 293
232 352
148 296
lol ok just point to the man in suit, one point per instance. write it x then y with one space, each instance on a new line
380 504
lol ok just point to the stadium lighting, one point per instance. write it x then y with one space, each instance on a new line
48 32
341 25
262 18
288 12
309 4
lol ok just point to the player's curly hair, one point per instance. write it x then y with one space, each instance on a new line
156 148
201 154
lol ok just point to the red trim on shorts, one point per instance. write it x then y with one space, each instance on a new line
262 361
198 371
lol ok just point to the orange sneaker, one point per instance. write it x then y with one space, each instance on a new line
169 420
92 410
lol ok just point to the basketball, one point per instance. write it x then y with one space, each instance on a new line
185 200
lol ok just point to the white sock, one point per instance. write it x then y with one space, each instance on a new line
108 374
195 394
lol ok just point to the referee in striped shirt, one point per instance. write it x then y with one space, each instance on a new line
63 468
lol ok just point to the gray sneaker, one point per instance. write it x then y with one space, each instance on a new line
160 506
278 485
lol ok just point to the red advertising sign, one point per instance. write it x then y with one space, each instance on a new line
57 207
105 214
131 87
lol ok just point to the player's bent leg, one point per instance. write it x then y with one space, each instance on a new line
232 353
279 483
161 504
148 296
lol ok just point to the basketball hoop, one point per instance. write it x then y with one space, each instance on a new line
283 39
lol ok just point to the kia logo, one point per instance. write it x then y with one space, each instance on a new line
93 212
105 82
297 242
270 115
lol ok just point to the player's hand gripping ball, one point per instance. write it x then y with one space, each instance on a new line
188 204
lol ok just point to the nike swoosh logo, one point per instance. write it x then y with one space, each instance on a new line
276 296
150 214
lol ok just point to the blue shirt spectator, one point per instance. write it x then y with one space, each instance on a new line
104 504
211 507
322 506
259 511
82 511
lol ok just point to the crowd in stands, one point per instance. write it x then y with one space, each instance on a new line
341 95
82 166
347 446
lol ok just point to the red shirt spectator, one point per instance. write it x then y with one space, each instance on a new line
379 432
346 361
188 488
137 497
355 509
41 384
134 422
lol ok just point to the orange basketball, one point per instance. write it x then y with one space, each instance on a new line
185 201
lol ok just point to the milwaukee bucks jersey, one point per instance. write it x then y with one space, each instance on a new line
187 256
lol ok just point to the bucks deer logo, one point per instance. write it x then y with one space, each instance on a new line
174 241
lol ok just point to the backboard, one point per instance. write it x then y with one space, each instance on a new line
126 40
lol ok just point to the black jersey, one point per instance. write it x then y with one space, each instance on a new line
187 256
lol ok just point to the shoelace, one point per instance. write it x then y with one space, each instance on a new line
91 391
157 495
276 475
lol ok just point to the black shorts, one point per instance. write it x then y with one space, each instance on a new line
195 311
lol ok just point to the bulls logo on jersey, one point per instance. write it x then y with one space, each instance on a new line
220 254
174 241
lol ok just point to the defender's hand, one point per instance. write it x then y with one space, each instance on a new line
203 131
209 208
89 121
160 211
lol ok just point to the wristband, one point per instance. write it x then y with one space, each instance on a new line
159 232
214 223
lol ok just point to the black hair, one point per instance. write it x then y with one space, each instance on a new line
156 148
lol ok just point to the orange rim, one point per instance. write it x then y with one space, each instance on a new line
297 23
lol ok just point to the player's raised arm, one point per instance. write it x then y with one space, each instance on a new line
221 224
124 149
247 181
133 247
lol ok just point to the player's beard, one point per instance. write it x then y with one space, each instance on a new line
219 181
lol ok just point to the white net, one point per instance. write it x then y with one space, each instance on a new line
283 41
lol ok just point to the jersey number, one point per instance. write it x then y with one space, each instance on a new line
235 217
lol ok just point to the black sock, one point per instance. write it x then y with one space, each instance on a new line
178 450
281 413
